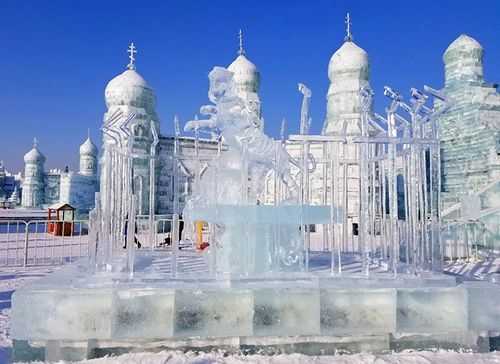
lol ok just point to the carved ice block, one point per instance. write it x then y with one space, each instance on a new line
286 312
214 313
143 313
431 310
62 314
484 306
264 214
259 238
358 311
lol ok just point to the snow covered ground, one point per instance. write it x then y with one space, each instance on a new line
13 278
423 357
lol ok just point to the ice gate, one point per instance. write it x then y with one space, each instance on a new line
259 286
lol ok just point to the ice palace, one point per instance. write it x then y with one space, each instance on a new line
371 184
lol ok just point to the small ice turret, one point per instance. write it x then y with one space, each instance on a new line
33 185
348 71
88 158
463 61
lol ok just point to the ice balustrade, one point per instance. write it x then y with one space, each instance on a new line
471 239
398 206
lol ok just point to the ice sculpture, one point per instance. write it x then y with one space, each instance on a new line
134 303
249 237
240 129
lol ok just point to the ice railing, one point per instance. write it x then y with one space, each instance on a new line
383 186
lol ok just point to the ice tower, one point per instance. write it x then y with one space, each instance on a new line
348 71
33 185
88 158
129 94
470 130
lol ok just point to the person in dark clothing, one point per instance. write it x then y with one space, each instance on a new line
136 241
168 239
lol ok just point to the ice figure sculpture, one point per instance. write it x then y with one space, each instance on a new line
248 237
240 129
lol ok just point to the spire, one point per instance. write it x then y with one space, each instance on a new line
177 127
88 133
283 130
348 23
35 142
132 50
241 51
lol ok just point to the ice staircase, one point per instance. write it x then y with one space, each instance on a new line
472 226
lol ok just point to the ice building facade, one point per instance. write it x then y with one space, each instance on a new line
42 188
348 72
470 130
131 116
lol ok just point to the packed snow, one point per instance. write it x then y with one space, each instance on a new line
423 357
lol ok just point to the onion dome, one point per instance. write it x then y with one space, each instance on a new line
129 89
246 75
34 155
88 148
349 60
463 60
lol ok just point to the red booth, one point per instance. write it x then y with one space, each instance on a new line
61 217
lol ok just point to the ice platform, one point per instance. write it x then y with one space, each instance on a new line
72 314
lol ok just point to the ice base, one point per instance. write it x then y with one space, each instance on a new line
71 311
260 238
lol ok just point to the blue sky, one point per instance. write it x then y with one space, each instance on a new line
57 56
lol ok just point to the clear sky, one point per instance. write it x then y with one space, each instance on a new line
57 56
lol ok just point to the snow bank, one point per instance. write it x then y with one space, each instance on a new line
423 357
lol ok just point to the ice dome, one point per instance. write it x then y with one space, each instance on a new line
88 148
129 88
34 156
348 58
463 61
245 73
463 46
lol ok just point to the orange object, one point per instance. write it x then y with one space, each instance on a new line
200 244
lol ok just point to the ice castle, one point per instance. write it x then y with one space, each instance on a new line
42 188
258 285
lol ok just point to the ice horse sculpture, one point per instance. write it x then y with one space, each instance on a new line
249 237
